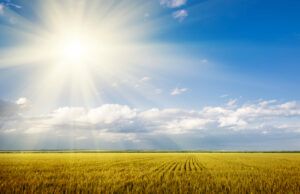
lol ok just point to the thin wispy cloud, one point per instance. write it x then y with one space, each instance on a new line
224 96
173 3
177 91
232 102
8 4
180 15
145 79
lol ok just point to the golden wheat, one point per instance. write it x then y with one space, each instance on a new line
149 173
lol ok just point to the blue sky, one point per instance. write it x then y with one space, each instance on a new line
162 74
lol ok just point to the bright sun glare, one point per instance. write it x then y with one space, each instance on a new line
73 49
76 45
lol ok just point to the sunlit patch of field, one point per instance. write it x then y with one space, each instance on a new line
150 172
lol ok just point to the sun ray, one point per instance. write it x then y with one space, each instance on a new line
83 47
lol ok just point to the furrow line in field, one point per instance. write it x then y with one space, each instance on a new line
173 167
190 164
156 170
161 174
204 169
199 165
169 171
177 167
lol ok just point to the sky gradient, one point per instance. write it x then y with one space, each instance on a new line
153 74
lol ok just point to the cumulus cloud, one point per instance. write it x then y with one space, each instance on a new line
178 91
81 138
115 122
22 102
173 3
12 109
8 109
185 125
180 15
9 130
118 137
122 118
251 116
37 129
106 114
289 105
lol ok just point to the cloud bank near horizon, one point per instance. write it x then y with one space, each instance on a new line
118 126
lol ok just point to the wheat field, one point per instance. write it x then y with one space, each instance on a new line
149 173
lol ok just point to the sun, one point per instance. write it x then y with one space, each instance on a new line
73 49
80 49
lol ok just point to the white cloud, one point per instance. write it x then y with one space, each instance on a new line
185 125
68 115
81 138
105 114
180 15
12 109
178 91
124 119
173 3
232 121
289 105
251 116
215 111
110 113
231 102
38 128
121 123
115 85
224 96
8 4
118 137
23 102
14 5
267 102
9 130
146 78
